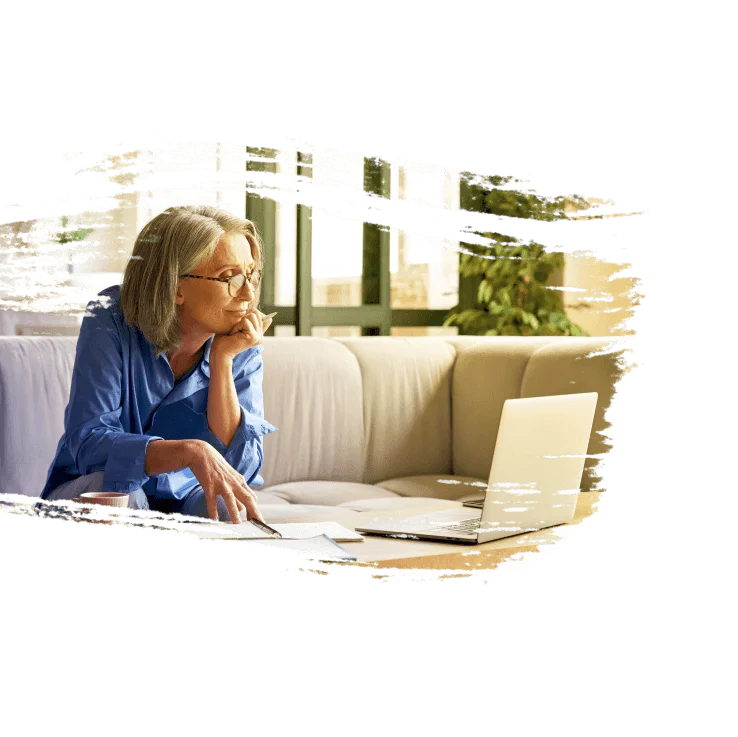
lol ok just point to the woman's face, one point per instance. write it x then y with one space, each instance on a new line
205 306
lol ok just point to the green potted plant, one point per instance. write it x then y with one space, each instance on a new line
513 296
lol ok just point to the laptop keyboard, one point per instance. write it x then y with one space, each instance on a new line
452 523
464 527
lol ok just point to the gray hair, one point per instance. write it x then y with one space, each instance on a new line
174 243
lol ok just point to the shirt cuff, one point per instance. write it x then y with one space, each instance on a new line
124 470
256 426
249 428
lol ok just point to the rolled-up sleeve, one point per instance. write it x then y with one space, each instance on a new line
95 436
245 452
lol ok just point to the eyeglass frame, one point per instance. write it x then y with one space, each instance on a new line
229 279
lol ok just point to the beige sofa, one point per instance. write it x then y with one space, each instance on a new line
364 424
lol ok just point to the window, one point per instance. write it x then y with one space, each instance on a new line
343 288
285 238
337 241
425 270
215 171
336 331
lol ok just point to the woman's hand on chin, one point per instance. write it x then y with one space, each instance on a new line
246 333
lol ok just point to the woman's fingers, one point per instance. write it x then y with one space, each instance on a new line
242 511
254 321
254 324
247 333
230 502
212 504
248 498
239 326
245 495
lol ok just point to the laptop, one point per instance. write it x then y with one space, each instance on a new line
534 480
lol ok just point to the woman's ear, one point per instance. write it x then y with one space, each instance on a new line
179 297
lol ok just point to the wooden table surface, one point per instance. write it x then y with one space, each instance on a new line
387 552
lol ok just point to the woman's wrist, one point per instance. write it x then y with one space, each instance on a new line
164 456
194 452
220 358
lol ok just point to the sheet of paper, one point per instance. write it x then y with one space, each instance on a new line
319 547
243 531
301 530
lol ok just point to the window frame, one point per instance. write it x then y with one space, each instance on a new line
374 316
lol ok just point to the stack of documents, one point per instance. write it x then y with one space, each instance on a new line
312 539
334 530
320 547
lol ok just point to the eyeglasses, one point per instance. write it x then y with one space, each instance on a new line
235 282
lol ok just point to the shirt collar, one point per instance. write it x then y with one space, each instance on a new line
206 355
204 364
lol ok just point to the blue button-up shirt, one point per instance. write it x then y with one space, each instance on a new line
122 398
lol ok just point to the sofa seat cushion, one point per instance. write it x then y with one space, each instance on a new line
325 493
411 504
266 497
445 486
276 513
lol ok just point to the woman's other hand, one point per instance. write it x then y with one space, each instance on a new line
246 333
218 478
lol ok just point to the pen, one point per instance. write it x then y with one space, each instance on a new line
266 528
197 523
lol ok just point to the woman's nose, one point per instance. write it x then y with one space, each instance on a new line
247 291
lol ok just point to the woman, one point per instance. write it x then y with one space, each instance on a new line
166 400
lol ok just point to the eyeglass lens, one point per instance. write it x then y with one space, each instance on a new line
236 284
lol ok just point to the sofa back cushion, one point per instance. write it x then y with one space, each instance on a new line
487 372
313 394
407 405
35 376
574 365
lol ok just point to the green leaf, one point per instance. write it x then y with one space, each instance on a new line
542 272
